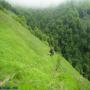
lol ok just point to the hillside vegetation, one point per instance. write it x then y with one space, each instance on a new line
25 61
66 28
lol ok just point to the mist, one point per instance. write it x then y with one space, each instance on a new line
37 3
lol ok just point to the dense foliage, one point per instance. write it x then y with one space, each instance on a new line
67 28
4 5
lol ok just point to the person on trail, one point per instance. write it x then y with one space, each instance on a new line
51 51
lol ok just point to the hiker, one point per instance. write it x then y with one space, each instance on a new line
51 51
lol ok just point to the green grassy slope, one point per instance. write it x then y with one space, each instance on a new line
25 63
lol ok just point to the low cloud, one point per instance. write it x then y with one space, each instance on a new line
37 3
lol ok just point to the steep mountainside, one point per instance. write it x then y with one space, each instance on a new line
25 61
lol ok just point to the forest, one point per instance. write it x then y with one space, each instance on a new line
66 28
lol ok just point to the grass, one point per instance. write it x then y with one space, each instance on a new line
26 57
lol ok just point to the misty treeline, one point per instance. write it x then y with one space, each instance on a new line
66 28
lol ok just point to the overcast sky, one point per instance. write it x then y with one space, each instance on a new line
37 3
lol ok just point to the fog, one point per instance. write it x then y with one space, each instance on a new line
37 3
